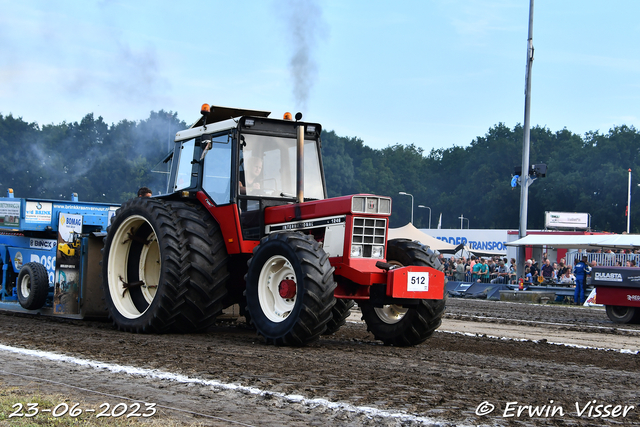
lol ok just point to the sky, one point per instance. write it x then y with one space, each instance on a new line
434 73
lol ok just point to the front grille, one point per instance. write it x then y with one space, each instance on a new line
369 232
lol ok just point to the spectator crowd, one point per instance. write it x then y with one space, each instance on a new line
496 269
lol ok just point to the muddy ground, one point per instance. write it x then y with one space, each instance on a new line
444 381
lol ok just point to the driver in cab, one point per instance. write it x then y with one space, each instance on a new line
252 175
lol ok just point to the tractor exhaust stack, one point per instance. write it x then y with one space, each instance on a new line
300 161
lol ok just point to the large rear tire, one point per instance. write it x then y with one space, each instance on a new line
406 326
164 267
290 289
620 314
204 279
33 286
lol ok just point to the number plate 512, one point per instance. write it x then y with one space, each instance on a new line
417 282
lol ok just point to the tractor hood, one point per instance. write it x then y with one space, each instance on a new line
367 204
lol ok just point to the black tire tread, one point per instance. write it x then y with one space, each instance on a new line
339 314
39 291
203 285
421 321
632 314
317 297
162 314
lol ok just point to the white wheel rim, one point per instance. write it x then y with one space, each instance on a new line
25 285
148 268
391 314
275 270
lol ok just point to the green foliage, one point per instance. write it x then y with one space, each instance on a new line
109 163
584 175
100 162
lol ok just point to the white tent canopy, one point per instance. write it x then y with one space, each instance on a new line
412 233
591 241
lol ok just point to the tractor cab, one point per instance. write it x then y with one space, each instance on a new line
243 158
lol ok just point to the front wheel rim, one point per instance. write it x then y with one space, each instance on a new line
391 314
274 271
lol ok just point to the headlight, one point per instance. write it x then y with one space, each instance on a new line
356 251
371 205
357 204
385 206
377 252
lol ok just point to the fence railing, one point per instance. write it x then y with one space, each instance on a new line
510 279
603 259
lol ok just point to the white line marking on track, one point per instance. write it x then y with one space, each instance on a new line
169 376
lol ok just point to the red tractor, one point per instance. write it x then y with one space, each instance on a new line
246 220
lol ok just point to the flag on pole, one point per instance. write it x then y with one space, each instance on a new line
440 221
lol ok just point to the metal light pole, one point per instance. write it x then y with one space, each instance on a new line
462 218
407 194
525 179
629 205
427 207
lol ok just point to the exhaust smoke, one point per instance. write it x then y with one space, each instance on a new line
306 28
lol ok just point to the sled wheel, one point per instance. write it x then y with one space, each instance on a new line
412 325
289 289
620 314
33 285
339 313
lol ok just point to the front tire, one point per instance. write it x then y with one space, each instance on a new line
290 289
406 326
620 314
33 286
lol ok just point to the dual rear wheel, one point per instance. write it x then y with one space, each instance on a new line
164 267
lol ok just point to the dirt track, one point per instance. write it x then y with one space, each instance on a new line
442 381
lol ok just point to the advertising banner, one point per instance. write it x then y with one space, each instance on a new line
65 296
9 214
624 277
480 240
566 220
38 213
21 256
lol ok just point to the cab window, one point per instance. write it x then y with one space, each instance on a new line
217 170
183 176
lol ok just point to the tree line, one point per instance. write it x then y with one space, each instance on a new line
586 174
589 173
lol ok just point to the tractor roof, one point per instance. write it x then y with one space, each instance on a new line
219 114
